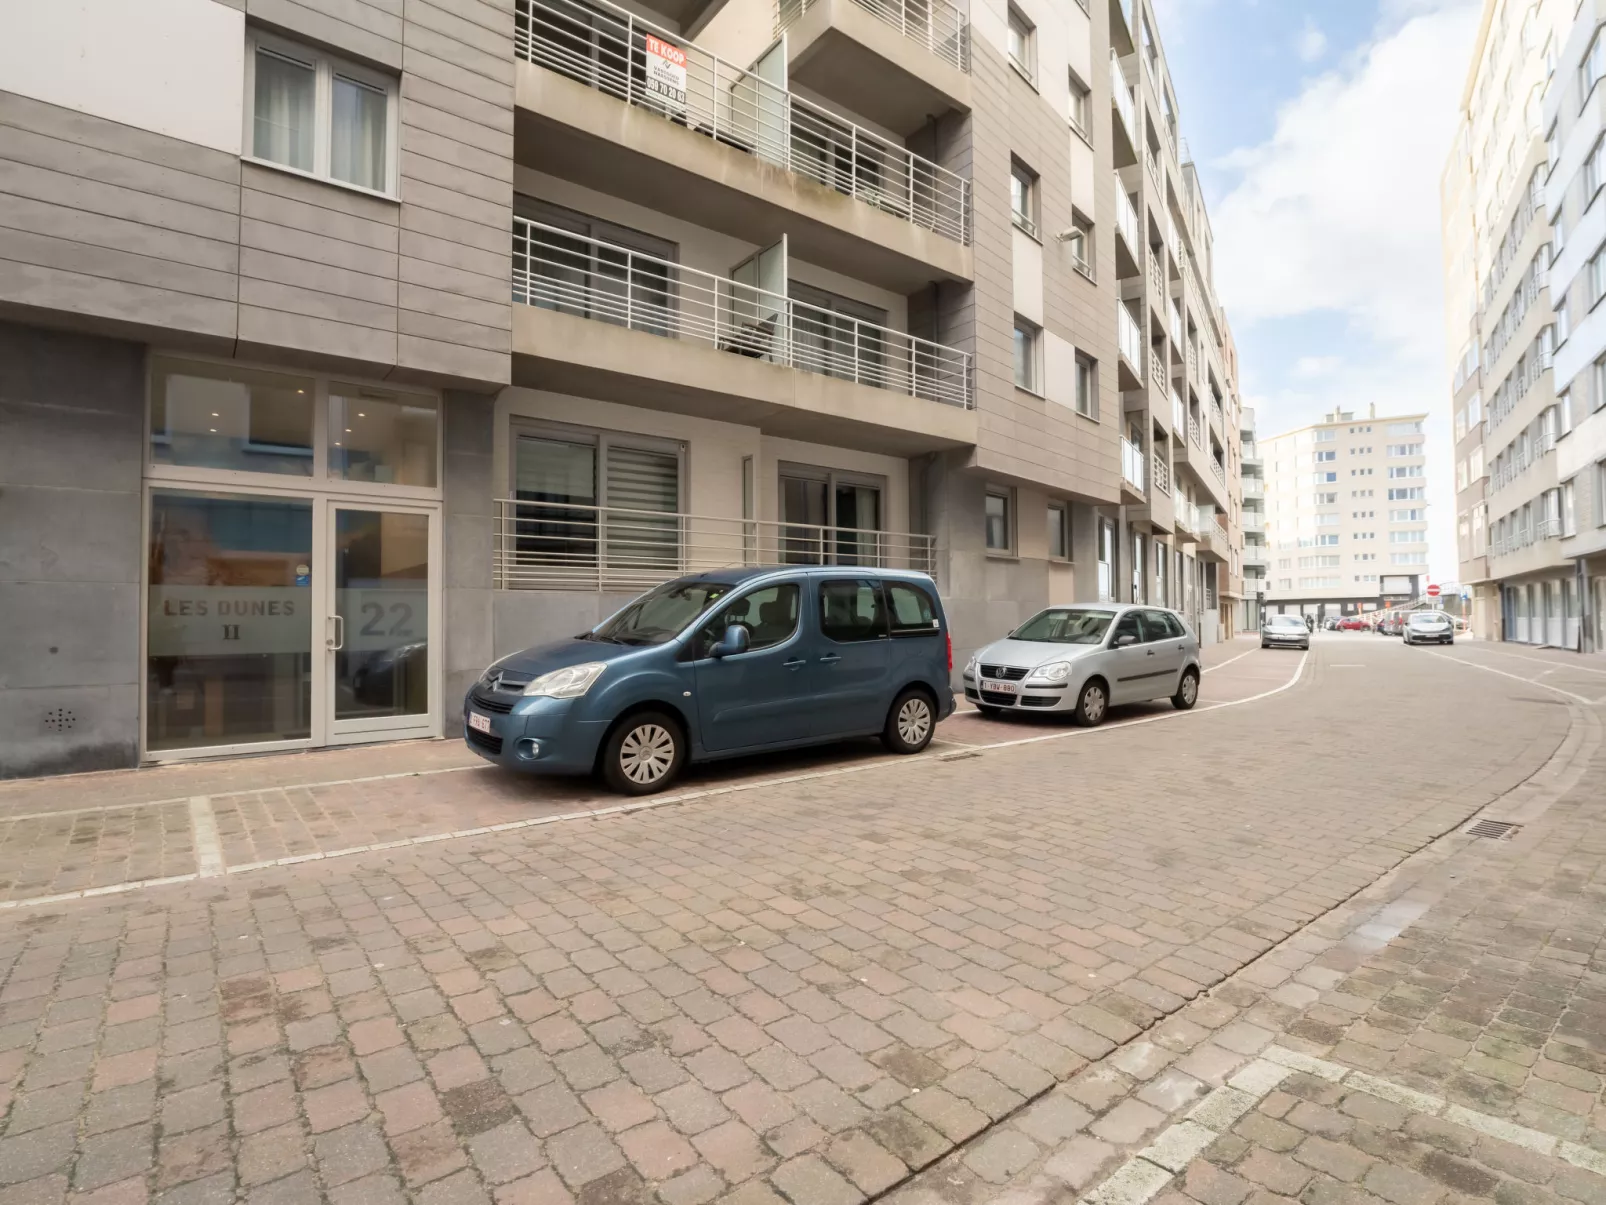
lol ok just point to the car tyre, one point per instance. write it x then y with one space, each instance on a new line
1187 691
1092 704
1265 644
911 721
643 754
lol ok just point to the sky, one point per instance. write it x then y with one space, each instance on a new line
1320 128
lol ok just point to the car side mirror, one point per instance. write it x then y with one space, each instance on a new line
1125 639
734 641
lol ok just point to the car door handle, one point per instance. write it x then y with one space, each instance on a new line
830 659
1151 652
794 663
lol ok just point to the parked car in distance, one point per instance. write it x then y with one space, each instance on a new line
1429 627
1331 623
1084 659
1284 631
721 664
1352 623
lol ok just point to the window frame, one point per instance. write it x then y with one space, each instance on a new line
1027 222
1081 101
600 439
1028 37
708 632
325 67
1007 495
1063 556
888 584
1087 369
1079 241
1034 356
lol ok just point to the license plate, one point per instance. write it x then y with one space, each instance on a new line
1000 688
480 723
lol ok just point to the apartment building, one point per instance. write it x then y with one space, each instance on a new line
1256 554
371 341
1575 122
1505 318
1346 513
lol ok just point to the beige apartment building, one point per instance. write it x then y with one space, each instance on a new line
373 341
1346 514
1504 322
1256 554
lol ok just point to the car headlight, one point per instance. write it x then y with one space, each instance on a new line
1056 671
568 683
970 666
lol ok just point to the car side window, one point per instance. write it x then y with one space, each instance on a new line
852 610
910 610
1173 626
1127 625
768 614
1154 627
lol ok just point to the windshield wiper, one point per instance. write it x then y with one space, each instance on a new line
599 636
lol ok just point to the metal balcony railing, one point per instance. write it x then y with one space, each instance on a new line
935 24
1162 474
1219 471
607 48
557 270
1129 338
1548 529
1195 431
1154 168
1157 275
1132 464
562 546
1156 366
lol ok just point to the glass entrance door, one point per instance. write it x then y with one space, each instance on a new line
381 628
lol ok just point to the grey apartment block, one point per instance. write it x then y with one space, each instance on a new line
617 292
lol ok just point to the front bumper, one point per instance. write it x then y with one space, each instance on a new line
538 736
1033 696
1293 642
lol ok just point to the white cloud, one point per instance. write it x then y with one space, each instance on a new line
1311 43
1334 221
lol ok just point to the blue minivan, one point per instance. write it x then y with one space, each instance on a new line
720 664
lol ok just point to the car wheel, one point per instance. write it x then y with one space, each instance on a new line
1092 704
1187 691
1264 645
644 754
910 722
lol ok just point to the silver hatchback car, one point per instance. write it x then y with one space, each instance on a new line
1085 658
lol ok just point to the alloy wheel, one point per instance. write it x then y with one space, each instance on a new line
647 753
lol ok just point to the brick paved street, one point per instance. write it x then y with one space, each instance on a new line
998 969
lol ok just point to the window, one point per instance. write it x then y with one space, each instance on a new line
1414 428
769 615
1326 437
1106 561
1022 54
1407 493
1079 242
1596 276
212 416
1126 626
1564 412
1406 470
319 115
1475 466
1023 197
851 610
1414 514
1087 397
1080 105
911 611
1408 537
1000 521
1405 449
1461 475
1328 498
1326 541
1059 531
382 436
1408 558
1321 457
1593 66
1564 322
1474 410
1569 512
1026 355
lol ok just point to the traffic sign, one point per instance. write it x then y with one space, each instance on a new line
1433 591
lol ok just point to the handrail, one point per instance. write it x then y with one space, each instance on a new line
599 44
935 24
543 545
559 270
1126 219
1132 463
1129 338
1125 105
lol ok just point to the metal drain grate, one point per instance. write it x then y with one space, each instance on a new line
1495 830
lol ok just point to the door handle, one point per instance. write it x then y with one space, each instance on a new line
1151 652
339 640
830 658
794 663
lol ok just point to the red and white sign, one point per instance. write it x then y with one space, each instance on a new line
666 73
1433 591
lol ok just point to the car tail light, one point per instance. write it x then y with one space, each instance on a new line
949 638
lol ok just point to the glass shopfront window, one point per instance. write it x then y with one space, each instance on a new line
229 620
222 417
384 437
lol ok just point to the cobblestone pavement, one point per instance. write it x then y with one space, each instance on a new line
1439 1038
933 977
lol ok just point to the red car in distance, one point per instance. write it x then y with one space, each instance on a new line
1353 623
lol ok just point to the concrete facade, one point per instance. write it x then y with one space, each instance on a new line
838 215
1346 513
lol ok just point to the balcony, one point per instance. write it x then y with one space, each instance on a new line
1162 474
1131 467
1126 125
897 62
1179 419
1157 282
1129 246
1254 487
849 199
1187 517
561 546
594 318
1121 26
1130 341
1255 554
1195 431
1156 368
1254 522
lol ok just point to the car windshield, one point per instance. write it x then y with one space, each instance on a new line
1285 621
1430 617
1065 625
660 614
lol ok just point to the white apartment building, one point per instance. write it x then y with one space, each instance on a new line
1346 513
1505 318
1575 123
1256 554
